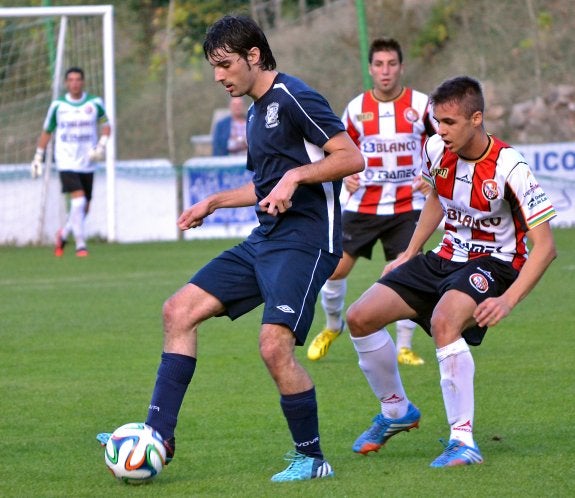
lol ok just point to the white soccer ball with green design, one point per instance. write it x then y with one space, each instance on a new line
135 453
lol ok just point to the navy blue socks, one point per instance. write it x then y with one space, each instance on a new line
300 411
174 375
176 372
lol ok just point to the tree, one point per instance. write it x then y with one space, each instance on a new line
189 21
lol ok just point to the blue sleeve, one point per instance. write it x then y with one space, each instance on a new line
315 118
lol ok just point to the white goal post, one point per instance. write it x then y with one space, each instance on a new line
10 16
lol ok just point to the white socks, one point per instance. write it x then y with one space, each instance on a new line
378 361
404 333
332 300
75 222
456 368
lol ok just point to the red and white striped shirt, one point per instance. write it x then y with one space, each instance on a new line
489 204
390 136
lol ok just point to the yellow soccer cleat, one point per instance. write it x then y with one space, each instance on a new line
408 357
321 343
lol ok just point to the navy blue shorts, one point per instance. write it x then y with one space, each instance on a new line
362 231
286 278
422 281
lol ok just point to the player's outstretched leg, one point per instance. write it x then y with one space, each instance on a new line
174 375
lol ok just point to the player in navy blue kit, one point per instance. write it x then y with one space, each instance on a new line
298 151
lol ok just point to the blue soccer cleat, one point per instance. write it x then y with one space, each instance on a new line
457 453
303 468
103 437
384 428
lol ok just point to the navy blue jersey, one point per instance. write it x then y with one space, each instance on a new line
286 128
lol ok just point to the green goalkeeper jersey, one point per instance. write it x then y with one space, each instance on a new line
75 126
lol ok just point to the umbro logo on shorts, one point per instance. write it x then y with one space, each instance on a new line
285 308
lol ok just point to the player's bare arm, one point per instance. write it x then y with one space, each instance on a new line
343 159
542 253
44 139
239 197
431 216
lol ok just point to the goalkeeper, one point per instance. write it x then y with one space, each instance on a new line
74 119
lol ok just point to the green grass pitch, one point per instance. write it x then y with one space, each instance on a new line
80 342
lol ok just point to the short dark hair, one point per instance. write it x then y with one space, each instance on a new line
238 34
463 90
385 45
75 69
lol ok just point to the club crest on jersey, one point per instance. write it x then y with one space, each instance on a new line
272 115
88 109
479 282
411 115
489 189
364 116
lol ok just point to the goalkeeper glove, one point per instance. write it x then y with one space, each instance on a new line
37 166
98 152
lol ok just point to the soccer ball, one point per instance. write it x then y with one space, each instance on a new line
135 453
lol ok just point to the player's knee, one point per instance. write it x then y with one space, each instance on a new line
175 317
269 355
356 322
275 359
442 326
169 312
274 351
269 350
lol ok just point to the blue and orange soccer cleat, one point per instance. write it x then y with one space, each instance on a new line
303 468
457 453
384 428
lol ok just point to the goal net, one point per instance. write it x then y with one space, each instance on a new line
37 45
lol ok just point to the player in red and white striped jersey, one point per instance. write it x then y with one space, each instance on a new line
389 124
493 206
489 204
389 127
